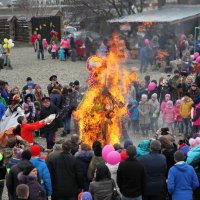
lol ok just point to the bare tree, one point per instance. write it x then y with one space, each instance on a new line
32 7
100 10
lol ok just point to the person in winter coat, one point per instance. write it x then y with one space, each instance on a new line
144 59
39 47
30 177
143 148
144 111
182 179
34 37
50 129
155 167
169 116
65 44
184 147
131 184
196 119
168 150
123 152
66 174
61 53
75 143
102 187
96 160
54 50
164 102
42 169
84 156
194 151
38 93
164 88
175 84
2 110
154 112
140 90
134 116
4 91
69 104
26 130
11 179
55 97
54 84
28 99
194 92
178 120
185 110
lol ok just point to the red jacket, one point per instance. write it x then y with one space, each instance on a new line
34 37
27 130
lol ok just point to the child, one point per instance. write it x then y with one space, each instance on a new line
22 192
169 116
28 100
54 49
45 43
178 120
164 102
134 116
61 53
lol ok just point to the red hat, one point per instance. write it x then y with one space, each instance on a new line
35 150
46 99
16 97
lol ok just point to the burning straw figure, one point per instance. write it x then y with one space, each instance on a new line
100 112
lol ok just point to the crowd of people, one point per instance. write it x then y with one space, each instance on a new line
67 47
160 167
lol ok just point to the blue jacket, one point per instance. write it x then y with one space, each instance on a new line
44 174
134 112
193 154
5 95
182 180
143 148
2 110
143 54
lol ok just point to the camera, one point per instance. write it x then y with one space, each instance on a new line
165 131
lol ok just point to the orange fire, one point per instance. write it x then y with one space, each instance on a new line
143 26
161 55
100 112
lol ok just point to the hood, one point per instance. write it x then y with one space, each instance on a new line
23 164
124 155
134 102
181 167
84 155
25 179
143 147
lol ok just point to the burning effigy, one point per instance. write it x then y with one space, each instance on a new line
100 112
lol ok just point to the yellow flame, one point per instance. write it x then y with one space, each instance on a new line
100 112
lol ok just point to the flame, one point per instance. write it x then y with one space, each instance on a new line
161 55
143 26
100 112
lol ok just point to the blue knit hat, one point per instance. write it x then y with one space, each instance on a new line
86 196
127 143
30 84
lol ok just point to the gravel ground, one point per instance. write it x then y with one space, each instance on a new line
25 64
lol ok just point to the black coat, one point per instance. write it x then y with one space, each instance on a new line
11 179
36 192
66 176
45 112
155 167
131 178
